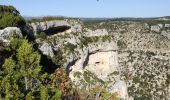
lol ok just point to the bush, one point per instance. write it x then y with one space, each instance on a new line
121 44
9 17
42 35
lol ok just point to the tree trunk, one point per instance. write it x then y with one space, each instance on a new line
26 83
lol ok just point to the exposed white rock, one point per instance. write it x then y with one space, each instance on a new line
167 25
42 26
100 59
93 48
75 26
120 87
102 63
156 28
7 32
160 25
46 49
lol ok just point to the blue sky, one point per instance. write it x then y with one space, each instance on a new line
92 8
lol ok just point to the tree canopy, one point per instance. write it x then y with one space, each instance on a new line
10 17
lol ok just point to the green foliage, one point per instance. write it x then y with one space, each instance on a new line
9 9
88 79
168 79
150 54
20 70
91 78
21 76
47 93
58 58
43 93
57 95
77 74
97 93
121 44
59 79
70 47
42 35
84 41
9 17
114 73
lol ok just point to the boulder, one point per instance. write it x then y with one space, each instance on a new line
7 32
156 28
46 49
167 25
120 87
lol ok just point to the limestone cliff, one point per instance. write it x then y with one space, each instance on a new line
90 51
53 27
127 57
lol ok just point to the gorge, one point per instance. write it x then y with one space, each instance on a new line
121 56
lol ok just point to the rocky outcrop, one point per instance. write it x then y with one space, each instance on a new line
53 27
99 58
91 57
39 27
156 28
97 54
46 49
7 32
120 87
167 25
76 25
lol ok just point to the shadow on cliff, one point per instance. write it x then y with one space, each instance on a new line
47 64
55 30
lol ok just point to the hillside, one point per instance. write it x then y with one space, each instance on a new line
107 59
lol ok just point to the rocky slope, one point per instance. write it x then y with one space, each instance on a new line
127 57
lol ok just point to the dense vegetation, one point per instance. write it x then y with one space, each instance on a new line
10 17
22 76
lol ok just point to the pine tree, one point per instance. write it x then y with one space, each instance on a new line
20 74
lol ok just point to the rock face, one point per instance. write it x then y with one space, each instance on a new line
120 87
53 26
100 59
156 28
6 33
167 25
43 26
130 58
46 49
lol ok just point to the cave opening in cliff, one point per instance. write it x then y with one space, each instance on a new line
55 30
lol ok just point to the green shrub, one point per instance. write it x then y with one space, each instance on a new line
121 44
9 17
42 35
70 47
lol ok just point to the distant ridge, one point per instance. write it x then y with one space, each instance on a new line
104 19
